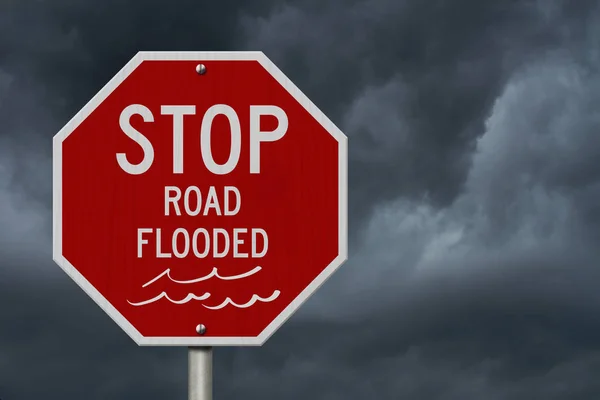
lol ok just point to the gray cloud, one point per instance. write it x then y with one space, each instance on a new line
56 343
425 66
25 177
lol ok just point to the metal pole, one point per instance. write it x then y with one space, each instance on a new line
200 373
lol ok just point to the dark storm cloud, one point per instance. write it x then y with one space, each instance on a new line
455 340
410 82
505 272
78 46
56 344
473 153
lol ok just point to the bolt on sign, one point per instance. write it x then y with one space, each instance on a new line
200 198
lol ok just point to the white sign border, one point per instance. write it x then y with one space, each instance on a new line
99 98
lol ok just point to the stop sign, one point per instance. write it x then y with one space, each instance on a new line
200 198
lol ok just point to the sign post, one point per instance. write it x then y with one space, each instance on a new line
199 199
200 373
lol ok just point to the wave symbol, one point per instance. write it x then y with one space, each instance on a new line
187 298
191 296
205 296
251 302
213 274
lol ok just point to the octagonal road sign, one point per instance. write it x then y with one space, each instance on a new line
200 198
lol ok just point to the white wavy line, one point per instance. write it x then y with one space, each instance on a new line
212 274
253 300
186 299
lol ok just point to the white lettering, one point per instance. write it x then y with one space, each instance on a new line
257 136
142 241
206 135
238 200
229 204
237 242
212 202
216 233
217 242
159 253
172 199
265 240
178 112
186 241
186 201
206 243
136 136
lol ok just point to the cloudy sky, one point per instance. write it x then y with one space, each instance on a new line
474 134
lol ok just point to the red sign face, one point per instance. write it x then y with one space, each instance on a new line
200 198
